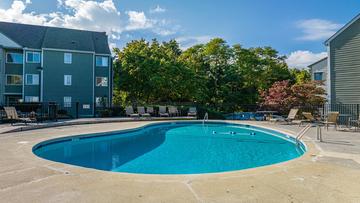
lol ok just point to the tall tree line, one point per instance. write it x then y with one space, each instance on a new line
214 74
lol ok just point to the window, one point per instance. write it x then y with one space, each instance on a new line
67 80
68 58
318 76
31 99
13 79
101 81
16 58
33 57
102 61
32 79
101 101
67 102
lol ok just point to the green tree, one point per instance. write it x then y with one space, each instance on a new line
152 72
214 74
301 76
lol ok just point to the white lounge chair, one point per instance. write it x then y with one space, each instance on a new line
163 112
141 111
150 110
130 112
192 112
173 111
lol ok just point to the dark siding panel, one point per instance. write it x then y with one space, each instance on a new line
81 70
345 63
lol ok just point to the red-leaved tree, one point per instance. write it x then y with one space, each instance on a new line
282 96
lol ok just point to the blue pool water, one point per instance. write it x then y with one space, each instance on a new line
174 148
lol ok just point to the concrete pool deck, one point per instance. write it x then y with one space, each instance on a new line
328 172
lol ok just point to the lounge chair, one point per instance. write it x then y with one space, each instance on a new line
309 118
163 112
12 115
173 111
130 112
141 111
332 119
290 118
192 112
150 110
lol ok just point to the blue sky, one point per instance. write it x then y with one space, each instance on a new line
296 28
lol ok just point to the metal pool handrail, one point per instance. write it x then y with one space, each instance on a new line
206 117
302 132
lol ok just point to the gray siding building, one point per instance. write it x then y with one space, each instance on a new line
319 73
344 64
48 64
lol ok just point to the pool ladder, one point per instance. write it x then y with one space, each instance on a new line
206 118
302 133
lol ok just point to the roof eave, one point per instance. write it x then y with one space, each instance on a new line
347 25
309 66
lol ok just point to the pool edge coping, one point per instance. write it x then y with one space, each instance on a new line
154 122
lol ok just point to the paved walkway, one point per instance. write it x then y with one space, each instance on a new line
343 143
328 172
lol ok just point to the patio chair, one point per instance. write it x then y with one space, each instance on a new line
192 112
173 111
163 112
141 111
130 112
332 119
13 116
356 122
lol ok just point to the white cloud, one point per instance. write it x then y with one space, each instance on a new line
165 28
317 29
301 59
157 9
138 21
16 14
60 3
164 32
88 15
189 41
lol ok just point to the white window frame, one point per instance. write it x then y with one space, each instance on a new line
66 57
67 102
66 80
32 82
32 99
34 53
103 59
99 85
6 56
7 82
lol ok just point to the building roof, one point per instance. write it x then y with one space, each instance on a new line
317 62
37 37
347 25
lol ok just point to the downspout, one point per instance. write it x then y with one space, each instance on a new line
328 79
23 82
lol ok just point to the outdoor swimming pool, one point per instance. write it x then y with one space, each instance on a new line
174 148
